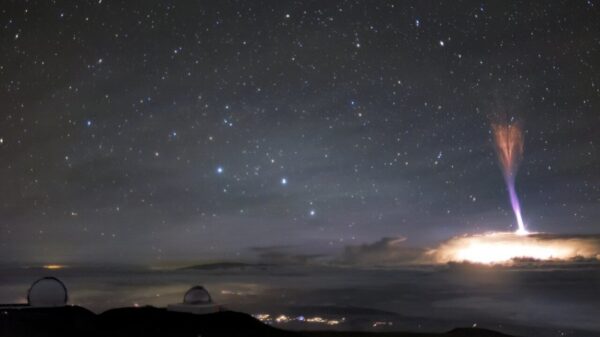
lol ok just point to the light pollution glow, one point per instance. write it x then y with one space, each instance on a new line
509 146
54 266
506 247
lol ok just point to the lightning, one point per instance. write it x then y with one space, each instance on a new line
508 138
507 248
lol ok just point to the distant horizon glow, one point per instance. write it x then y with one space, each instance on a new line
54 266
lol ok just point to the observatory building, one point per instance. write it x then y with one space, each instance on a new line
197 300
47 292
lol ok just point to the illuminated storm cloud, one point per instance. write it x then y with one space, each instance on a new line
506 247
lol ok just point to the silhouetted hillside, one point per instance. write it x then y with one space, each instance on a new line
155 322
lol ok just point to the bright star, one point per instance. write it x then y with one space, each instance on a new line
219 169
283 181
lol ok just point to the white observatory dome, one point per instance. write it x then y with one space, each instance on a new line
47 292
197 295
196 301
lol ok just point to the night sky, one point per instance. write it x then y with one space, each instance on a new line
146 131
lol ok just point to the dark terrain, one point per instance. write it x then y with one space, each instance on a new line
151 321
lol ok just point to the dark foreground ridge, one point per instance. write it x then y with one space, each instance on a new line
155 322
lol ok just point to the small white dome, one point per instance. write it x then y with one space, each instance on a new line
47 292
197 295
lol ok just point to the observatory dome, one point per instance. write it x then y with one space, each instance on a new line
196 301
47 292
197 295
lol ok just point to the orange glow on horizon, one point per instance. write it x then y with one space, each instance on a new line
54 266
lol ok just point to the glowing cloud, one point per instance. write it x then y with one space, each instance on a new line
505 248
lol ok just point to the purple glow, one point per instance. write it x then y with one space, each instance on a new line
514 202
508 138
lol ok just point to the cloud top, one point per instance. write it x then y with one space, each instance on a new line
505 248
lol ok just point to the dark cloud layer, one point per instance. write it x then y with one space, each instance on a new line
385 252
286 256
522 302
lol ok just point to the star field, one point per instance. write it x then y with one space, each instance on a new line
144 131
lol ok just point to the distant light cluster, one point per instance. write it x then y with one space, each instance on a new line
283 319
